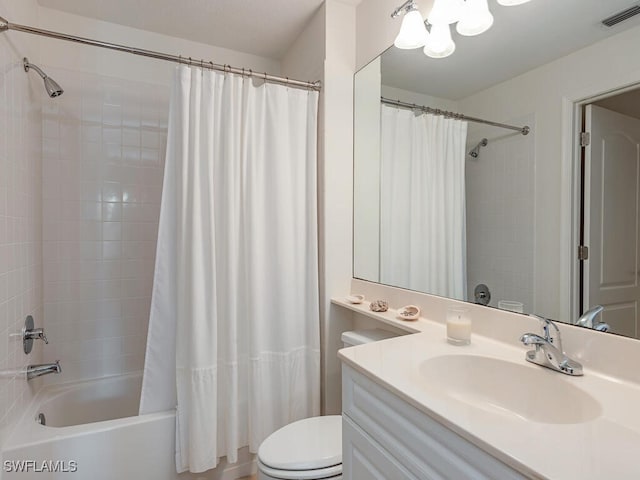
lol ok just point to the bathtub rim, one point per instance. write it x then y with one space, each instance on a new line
49 393
26 431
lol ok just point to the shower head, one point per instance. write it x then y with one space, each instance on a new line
476 150
50 85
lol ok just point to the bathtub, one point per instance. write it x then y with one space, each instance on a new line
93 431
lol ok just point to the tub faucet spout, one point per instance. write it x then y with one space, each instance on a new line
34 371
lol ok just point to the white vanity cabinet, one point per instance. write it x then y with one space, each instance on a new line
385 437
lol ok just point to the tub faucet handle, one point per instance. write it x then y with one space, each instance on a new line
29 334
37 334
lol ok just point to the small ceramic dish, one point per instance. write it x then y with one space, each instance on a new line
379 306
409 312
353 298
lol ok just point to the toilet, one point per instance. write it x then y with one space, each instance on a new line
310 449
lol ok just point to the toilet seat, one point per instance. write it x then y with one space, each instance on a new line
328 473
306 449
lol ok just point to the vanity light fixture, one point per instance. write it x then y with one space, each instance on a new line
475 19
472 17
413 33
440 44
445 11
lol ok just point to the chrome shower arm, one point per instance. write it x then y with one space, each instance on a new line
27 66
50 85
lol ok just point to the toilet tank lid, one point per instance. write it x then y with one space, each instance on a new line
358 337
308 444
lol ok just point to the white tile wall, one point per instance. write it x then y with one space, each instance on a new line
20 215
103 154
500 215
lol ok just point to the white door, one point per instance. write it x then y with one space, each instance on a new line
612 190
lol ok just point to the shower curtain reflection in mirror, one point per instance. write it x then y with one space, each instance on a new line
233 336
422 202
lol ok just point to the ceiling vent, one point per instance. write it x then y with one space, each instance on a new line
621 16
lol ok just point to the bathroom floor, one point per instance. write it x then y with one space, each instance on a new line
252 477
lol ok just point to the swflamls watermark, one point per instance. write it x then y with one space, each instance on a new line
39 466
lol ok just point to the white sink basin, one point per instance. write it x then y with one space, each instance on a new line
533 394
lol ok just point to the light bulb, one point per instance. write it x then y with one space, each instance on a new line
413 33
476 18
445 12
511 3
439 44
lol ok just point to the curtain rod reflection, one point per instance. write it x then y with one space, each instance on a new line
459 116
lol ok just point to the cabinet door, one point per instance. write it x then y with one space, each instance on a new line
364 459
416 442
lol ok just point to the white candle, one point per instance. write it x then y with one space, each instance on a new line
458 326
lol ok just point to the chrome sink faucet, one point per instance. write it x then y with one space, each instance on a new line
548 352
588 319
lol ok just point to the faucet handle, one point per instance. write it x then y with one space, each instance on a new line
39 333
29 334
550 331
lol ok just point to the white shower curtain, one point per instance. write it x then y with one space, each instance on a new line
234 330
423 224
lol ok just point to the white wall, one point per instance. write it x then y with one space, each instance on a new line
103 153
327 48
394 93
336 173
90 59
304 60
20 211
499 210
545 94
366 170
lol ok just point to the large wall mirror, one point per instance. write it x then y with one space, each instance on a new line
447 207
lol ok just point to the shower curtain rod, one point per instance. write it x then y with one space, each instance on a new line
459 116
6 25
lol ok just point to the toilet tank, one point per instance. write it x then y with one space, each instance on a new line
358 337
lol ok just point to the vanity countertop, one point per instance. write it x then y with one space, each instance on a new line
605 446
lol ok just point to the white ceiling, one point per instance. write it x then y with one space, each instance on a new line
522 38
260 27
